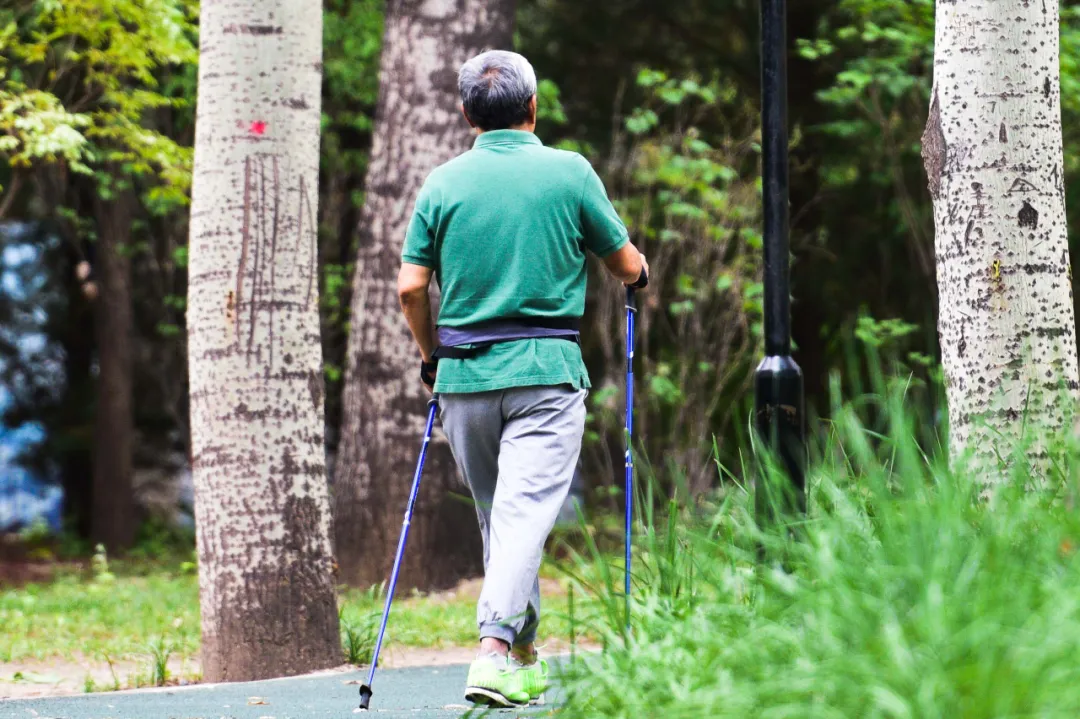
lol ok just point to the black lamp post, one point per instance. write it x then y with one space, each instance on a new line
779 407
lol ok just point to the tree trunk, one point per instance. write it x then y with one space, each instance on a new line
261 502
71 426
993 154
113 517
417 127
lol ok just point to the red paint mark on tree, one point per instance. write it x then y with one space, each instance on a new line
258 127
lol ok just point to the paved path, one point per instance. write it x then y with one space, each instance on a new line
418 693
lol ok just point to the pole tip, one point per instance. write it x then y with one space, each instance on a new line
365 697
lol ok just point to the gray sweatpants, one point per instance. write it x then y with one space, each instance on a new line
517 449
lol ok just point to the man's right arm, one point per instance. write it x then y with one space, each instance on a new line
605 234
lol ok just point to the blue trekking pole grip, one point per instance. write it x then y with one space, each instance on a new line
628 489
365 689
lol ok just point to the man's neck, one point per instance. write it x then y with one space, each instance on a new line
526 127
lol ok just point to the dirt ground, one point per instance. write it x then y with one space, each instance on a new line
60 677
18 566
64 677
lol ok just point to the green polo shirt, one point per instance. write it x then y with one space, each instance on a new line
505 227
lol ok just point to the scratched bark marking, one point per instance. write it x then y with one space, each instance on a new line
246 238
417 127
273 255
266 570
313 253
300 217
257 275
313 244
1006 317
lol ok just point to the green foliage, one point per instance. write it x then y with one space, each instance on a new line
884 332
104 59
904 595
155 539
1070 95
685 189
191 566
689 204
352 41
35 126
876 58
336 279
894 42
35 533
548 107
881 52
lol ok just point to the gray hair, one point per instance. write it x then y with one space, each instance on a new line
496 87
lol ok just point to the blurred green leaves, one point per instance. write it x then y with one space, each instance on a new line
79 79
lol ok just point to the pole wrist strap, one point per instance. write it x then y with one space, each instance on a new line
427 372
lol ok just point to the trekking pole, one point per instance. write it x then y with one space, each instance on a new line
631 310
365 689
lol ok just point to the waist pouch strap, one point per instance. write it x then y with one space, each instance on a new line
471 340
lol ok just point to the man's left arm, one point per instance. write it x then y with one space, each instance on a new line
413 283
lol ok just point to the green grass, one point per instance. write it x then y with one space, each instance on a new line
77 615
902 594
151 611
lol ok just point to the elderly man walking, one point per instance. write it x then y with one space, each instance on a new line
504 228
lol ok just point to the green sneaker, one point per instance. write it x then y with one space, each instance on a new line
493 681
534 678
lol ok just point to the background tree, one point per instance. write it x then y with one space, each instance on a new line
993 153
114 424
417 127
262 508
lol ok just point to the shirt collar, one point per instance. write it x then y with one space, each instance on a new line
506 137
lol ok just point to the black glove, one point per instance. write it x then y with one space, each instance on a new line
427 372
642 280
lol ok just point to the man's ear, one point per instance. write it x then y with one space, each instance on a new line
532 109
466 116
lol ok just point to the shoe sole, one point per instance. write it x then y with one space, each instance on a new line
489 697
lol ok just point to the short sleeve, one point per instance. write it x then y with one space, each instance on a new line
419 248
601 226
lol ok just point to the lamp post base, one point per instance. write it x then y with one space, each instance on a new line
780 421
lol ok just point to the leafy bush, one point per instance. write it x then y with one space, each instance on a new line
690 202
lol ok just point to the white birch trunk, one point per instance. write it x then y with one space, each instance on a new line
993 153
262 507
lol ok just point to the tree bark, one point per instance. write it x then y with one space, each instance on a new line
262 514
113 517
993 154
417 127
